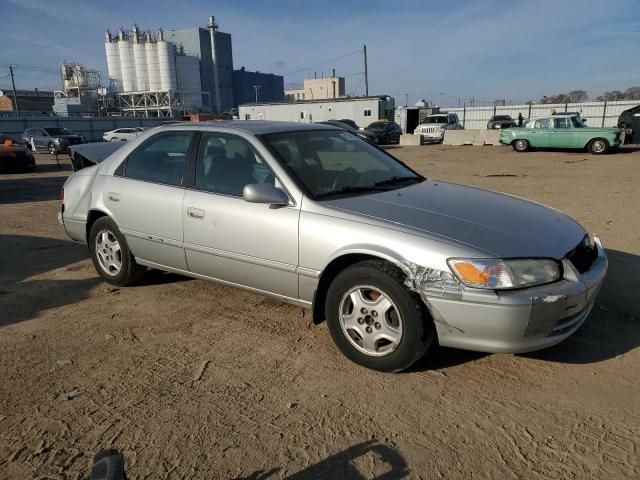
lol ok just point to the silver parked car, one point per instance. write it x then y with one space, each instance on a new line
314 216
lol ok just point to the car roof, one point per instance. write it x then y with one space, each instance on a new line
259 127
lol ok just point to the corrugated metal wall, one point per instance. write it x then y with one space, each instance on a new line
91 128
595 112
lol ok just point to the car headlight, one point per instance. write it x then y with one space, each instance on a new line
504 274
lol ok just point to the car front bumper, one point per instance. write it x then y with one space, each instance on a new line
431 137
517 321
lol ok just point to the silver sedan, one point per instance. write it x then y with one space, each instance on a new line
314 216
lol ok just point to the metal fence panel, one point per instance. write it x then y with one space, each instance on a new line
597 114
91 128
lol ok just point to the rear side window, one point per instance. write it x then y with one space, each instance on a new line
160 160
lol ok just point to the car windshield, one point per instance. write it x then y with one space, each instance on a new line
332 163
501 118
441 119
57 131
377 126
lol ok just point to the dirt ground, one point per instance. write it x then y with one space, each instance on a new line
86 366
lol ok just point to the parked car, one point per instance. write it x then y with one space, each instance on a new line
50 139
363 134
500 121
121 134
561 131
385 132
433 126
629 120
350 122
14 156
305 213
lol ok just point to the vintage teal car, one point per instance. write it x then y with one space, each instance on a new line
561 131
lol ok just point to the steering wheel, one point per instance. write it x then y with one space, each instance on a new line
337 183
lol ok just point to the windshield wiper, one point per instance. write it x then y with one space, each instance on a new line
394 180
347 190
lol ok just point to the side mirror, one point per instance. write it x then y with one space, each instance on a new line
264 193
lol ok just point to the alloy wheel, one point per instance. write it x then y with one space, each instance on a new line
370 320
108 253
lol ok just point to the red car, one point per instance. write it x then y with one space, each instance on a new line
14 156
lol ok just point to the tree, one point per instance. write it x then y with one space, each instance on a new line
574 96
631 93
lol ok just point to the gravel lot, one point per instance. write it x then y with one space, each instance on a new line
86 366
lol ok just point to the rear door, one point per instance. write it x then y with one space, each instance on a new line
228 239
539 136
145 198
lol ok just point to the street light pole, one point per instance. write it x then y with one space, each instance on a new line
256 88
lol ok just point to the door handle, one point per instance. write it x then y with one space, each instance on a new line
113 196
195 212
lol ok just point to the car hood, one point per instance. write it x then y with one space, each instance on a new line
68 137
499 224
431 125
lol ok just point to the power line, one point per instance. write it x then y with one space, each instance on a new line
323 63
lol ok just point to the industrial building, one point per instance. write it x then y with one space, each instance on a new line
362 110
32 101
251 87
317 89
79 94
174 72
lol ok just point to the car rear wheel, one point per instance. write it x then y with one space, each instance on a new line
375 320
114 139
111 256
598 146
521 145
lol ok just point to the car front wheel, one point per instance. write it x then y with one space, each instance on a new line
375 320
521 145
52 149
598 146
111 256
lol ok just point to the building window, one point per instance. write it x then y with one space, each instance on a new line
301 115
367 112
247 116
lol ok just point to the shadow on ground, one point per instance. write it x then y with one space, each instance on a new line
387 464
22 298
30 189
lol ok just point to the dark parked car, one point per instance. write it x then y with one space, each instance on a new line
50 139
14 156
349 122
630 120
500 121
363 134
385 132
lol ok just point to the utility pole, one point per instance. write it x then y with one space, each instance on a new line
256 88
15 96
366 73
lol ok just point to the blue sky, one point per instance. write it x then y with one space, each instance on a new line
486 49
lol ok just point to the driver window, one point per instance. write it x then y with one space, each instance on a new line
226 164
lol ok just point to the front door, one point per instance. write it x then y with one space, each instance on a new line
41 139
145 198
225 238
563 135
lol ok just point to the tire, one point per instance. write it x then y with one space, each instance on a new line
405 319
52 149
111 256
114 139
598 146
521 145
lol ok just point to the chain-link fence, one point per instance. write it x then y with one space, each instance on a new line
597 114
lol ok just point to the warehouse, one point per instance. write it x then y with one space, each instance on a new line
362 110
